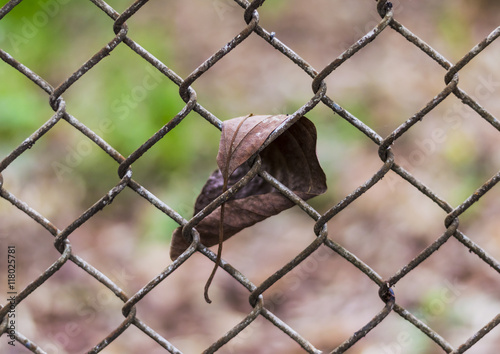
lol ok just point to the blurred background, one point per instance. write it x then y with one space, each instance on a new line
125 100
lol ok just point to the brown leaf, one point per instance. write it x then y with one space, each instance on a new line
290 158
241 137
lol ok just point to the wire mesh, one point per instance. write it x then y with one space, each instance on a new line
256 292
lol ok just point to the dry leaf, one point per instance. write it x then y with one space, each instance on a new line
290 158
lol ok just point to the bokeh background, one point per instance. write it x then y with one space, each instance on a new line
125 101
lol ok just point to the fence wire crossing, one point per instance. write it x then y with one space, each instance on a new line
319 96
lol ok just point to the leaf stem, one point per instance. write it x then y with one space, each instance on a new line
225 177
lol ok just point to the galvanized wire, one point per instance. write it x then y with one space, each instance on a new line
120 37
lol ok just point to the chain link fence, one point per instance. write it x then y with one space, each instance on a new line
257 296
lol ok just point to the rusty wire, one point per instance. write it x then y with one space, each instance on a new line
256 298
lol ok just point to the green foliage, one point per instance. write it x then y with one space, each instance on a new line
123 99
455 29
